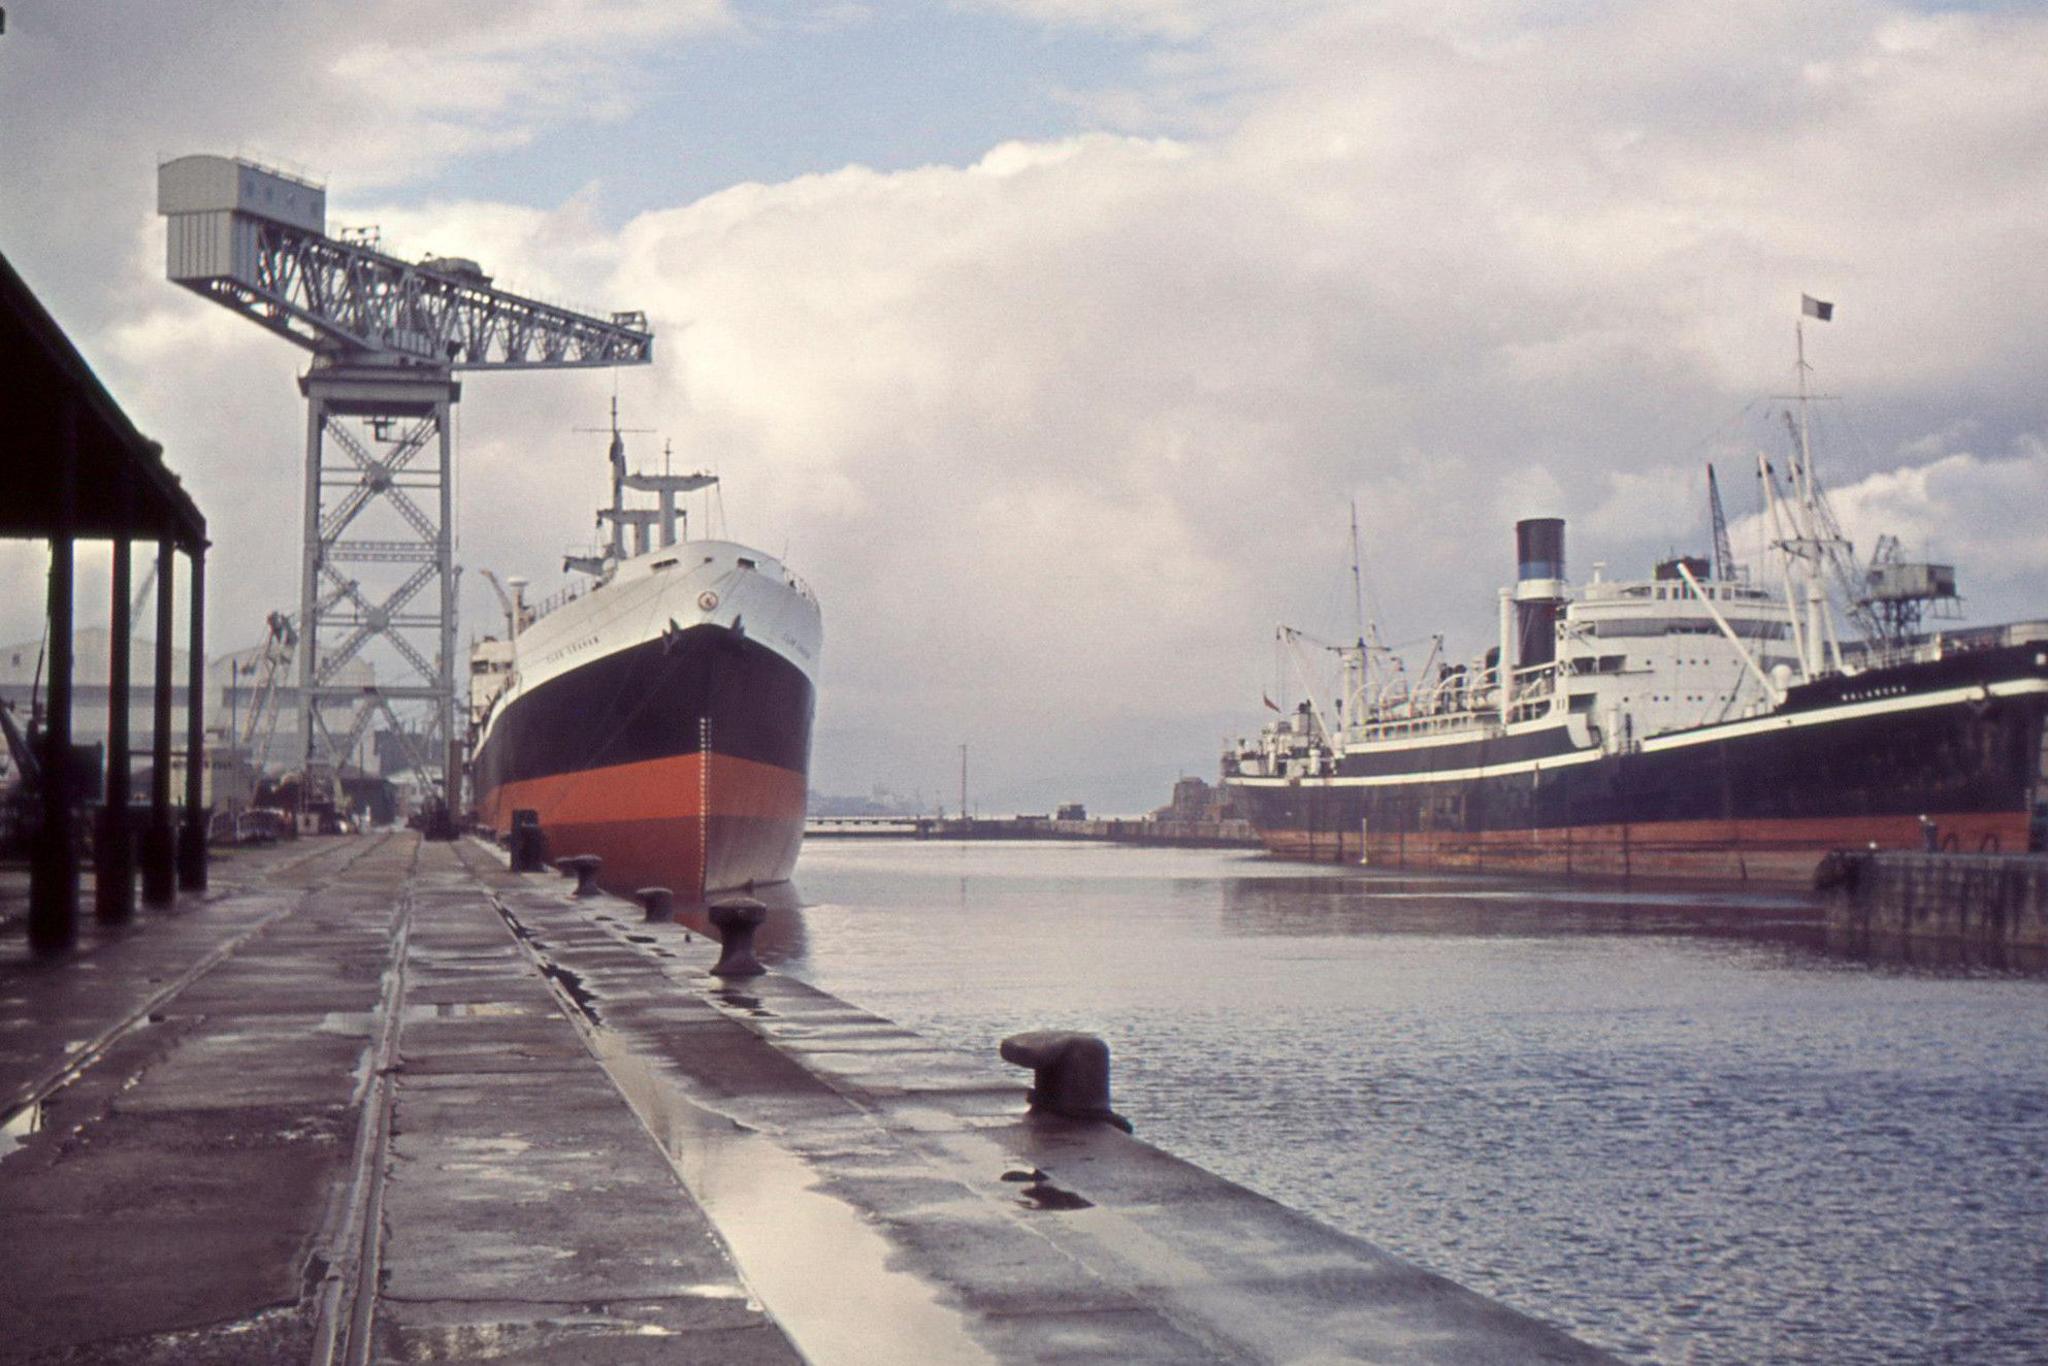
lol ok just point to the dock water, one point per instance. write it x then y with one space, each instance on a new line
381 1099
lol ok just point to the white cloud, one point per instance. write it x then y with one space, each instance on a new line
1059 434
1960 509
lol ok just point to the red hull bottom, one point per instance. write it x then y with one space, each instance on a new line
1782 852
693 823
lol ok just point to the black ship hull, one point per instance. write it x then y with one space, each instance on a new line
681 761
1850 762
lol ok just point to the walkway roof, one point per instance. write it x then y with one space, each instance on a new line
122 487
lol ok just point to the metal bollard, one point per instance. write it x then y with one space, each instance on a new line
659 902
527 845
736 918
1070 1074
582 867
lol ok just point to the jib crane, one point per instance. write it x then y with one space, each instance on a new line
1724 550
387 337
274 659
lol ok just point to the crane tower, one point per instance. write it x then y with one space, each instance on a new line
387 337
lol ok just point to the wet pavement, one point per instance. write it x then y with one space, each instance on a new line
383 1100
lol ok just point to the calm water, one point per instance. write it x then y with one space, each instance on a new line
1617 1111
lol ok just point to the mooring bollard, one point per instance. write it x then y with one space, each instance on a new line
582 867
527 845
736 918
1069 1074
659 903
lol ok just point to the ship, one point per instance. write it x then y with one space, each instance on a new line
1694 722
657 712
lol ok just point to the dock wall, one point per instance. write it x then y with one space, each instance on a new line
1232 834
1992 902
1198 834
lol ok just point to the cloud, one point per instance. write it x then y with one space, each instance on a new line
371 95
1059 434
1958 509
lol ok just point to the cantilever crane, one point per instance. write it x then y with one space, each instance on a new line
387 336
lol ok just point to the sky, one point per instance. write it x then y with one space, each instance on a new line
1052 341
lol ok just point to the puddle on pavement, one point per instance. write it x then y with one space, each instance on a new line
572 983
364 1022
820 1268
1045 1195
18 1127
481 1341
449 1010
743 1001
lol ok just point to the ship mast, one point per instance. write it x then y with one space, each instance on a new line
1820 627
1809 539
1358 669
1357 579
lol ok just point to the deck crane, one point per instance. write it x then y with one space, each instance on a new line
518 616
387 337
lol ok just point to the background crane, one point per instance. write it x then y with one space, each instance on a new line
387 336
1724 551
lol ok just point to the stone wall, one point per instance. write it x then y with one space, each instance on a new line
1991 901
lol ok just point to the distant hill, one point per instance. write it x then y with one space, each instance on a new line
880 802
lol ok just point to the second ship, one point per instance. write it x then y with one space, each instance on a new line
659 714
1694 723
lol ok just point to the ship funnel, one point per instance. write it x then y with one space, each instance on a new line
1539 588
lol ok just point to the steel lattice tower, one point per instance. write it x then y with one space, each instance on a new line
387 338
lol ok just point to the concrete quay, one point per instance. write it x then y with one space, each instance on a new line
383 1100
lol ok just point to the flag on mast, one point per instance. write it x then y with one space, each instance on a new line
1816 308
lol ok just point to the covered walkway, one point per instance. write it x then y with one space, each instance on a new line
78 469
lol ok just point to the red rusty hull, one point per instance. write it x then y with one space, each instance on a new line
692 822
1771 851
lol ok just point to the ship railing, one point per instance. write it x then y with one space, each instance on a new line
1432 723
1941 645
559 599
1445 708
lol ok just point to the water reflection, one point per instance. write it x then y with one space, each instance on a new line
1934 955
1484 907
780 939
1440 906
1675 1120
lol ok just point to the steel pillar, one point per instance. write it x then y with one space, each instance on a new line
53 867
113 844
159 843
379 504
192 847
